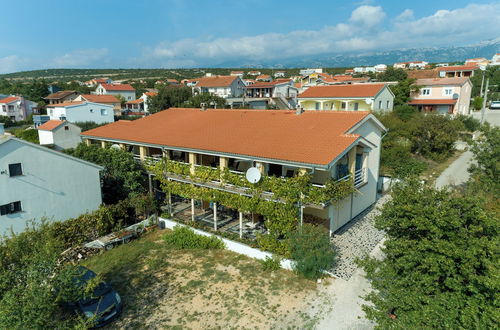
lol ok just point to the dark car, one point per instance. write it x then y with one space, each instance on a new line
103 305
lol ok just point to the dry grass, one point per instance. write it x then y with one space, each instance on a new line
203 289
435 169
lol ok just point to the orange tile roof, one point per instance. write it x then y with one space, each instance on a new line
356 90
59 95
51 125
263 76
118 87
9 99
470 67
313 137
433 102
65 104
215 81
458 81
101 98
138 101
151 93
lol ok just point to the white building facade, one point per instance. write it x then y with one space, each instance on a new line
59 134
17 108
82 111
37 182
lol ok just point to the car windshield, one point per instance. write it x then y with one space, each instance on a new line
101 290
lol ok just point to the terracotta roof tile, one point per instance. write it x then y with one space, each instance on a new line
50 125
101 98
118 87
355 90
215 81
65 104
313 137
151 93
472 66
9 99
433 101
138 101
59 95
459 81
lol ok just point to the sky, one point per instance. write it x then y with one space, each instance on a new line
38 34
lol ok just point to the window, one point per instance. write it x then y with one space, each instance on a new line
66 128
317 106
91 110
15 169
51 112
448 91
343 105
356 106
387 105
130 97
426 91
380 104
10 208
104 112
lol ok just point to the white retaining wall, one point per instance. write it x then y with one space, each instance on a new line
230 245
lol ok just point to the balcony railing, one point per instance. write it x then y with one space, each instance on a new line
359 177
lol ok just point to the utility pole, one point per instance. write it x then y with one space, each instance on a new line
482 82
483 110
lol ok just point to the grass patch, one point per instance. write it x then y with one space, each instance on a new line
434 169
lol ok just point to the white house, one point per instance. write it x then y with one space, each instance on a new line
222 86
146 96
354 97
16 107
305 72
279 74
59 134
364 69
124 90
495 60
380 67
37 182
81 111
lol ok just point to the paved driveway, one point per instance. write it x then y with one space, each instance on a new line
491 116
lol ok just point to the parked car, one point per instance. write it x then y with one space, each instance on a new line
102 306
495 105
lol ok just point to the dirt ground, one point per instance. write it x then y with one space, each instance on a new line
205 289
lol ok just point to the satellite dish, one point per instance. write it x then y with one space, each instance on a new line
115 146
368 101
253 175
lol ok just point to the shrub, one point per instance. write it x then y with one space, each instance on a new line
477 103
312 251
470 124
183 237
405 112
271 264
401 163
143 204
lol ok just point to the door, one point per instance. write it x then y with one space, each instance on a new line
442 109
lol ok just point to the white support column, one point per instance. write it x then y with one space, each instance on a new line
241 224
192 209
215 216
170 203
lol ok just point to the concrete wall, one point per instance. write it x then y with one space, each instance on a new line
384 101
66 138
83 112
52 185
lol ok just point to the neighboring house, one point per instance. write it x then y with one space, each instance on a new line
134 106
237 73
443 95
410 65
264 77
40 119
457 71
349 71
364 69
59 134
37 182
280 93
222 86
81 112
61 97
254 73
326 145
354 97
146 96
279 74
103 99
96 81
400 65
423 74
477 61
124 90
305 72
495 60
173 81
320 79
17 108
380 68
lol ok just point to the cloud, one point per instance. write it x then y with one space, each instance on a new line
11 63
81 57
367 29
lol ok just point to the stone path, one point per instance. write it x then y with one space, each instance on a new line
356 240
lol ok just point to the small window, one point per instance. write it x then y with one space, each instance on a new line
317 105
448 91
91 110
104 112
10 208
15 169
66 128
426 91
387 105
380 104
343 105
356 106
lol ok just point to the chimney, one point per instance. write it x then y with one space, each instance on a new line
299 110
203 106
2 131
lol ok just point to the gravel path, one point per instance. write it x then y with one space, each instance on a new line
357 239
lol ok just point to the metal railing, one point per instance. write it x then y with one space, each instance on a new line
359 177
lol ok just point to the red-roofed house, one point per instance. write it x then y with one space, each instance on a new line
495 60
81 112
61 96
123 90
222 86
443 95
264 77
16 107
59 134
331 146
104 99
457 71
96 81
353 97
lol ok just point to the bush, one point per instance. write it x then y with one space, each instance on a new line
477 103
470 124
401 163
183 237
30 135
271 264
143 204
405 112
312 251
87 125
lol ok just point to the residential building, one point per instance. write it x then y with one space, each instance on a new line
37 182
364 69
264 77
353 97
17 108
410 65
495 60
134 106
320 79
280 94
126 91
457 71
279 74
96 81
254 73
81 112
443 95
423 74
40 119
103 99
61 97
380 68
305 72
477 61
237 73
327 145
222 86
146 96
59 134
399 65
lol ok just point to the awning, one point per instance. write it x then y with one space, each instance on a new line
433 102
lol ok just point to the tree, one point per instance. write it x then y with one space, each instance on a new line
122 175
485 169
405 112
477 103
392 74
311 250
210 100
169 96
440 265
403 90
30 135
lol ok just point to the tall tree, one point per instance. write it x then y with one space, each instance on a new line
169 96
